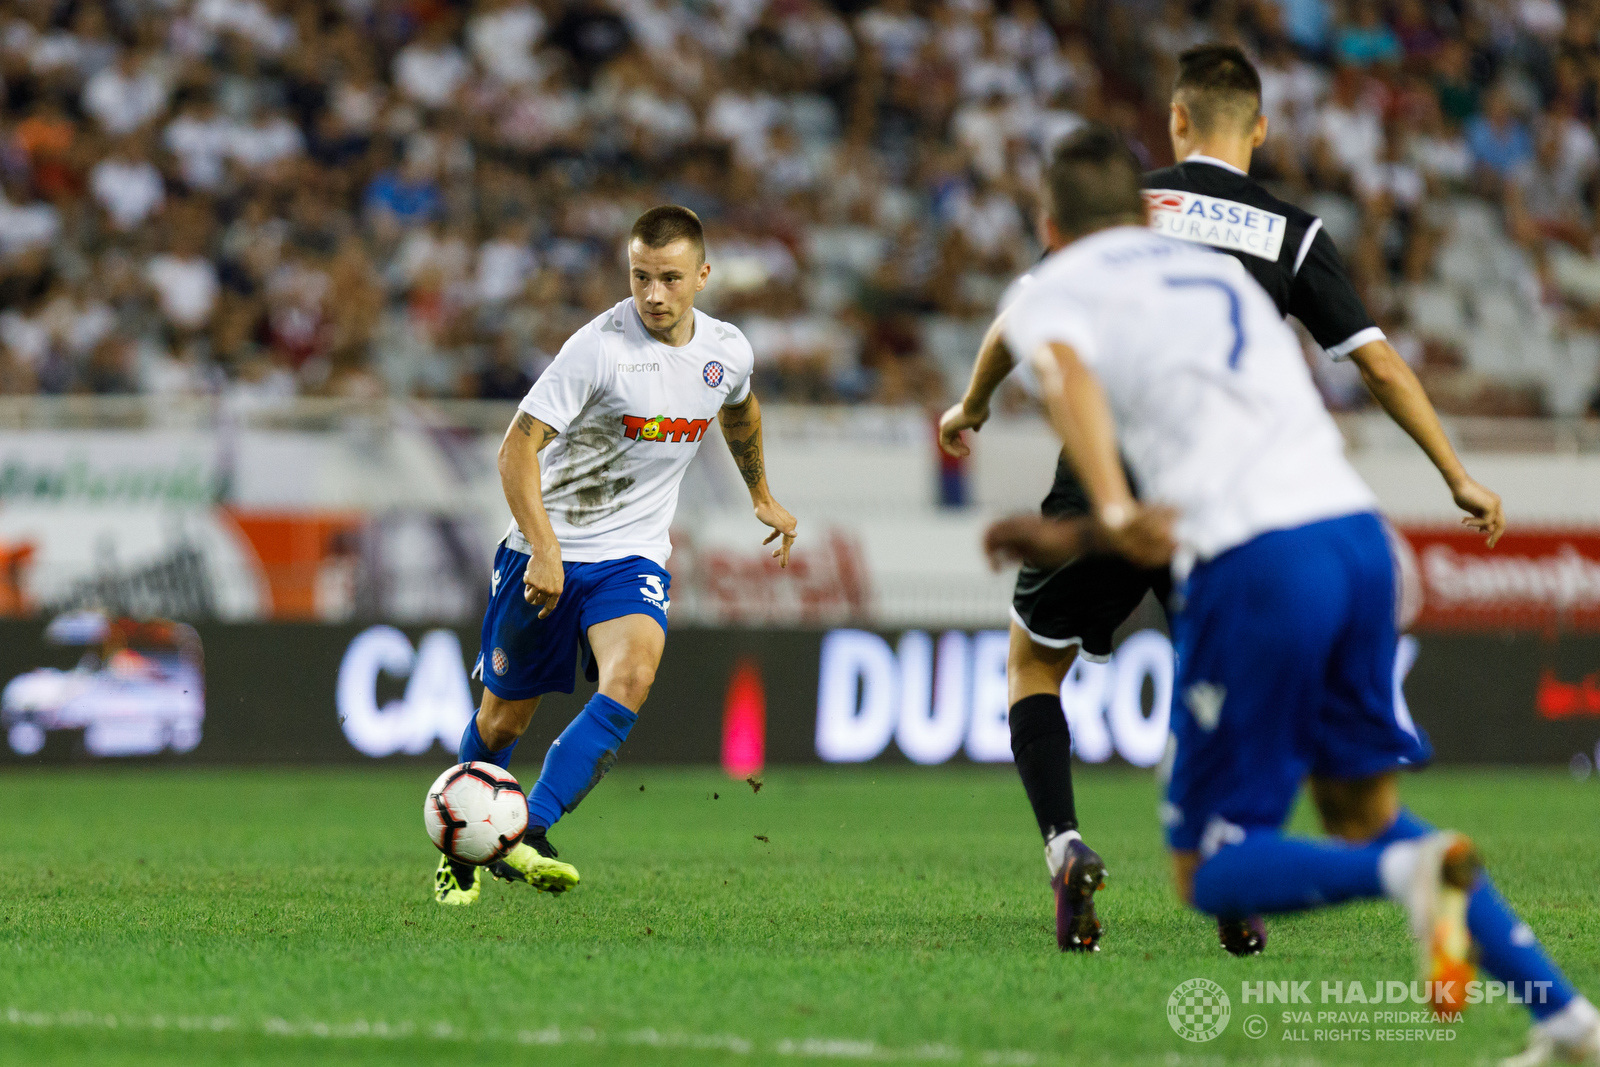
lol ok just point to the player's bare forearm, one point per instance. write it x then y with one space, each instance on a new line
741 428
520 479
1399 393
994 362
519 475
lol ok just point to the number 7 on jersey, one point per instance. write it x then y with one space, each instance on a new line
1233 309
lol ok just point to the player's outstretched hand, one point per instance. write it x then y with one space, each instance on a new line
1484 512
543 578
1035 539
783 525
952 422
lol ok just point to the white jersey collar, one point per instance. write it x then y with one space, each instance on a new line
1198 157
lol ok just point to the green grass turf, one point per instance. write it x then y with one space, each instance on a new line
905 908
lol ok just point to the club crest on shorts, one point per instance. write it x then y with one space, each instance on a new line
499 661
712 374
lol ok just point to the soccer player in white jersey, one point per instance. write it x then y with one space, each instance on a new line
1284 602
591 468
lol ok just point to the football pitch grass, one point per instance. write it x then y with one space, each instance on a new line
861 915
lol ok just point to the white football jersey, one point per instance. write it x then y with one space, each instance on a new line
1215 408
631 412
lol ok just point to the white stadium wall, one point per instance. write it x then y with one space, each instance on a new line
392 513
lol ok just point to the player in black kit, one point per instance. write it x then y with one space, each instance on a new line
1067 605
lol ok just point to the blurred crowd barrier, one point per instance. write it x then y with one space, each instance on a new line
336 511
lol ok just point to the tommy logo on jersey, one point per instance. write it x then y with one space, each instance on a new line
1208 220
662 428
712 374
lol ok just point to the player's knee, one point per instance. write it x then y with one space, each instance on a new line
501 722
1357 810
629 683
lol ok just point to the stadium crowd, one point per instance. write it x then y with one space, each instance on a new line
264 198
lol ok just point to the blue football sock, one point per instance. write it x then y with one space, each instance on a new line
473 750
578 759
1268 872
1511 953
1508 950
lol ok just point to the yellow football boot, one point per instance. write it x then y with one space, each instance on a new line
534 861
456 883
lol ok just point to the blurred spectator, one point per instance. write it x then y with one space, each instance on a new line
126 95
503 378
253 198
201 138
406 196
185 281
431 69
127 185
503 34
1367 40
1498 139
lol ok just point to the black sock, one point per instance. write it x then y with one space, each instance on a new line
1042 746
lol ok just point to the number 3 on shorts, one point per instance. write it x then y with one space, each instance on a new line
652 590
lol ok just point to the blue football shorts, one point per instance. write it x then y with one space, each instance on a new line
1285 648
523 656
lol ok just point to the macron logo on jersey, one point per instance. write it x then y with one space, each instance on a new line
662 428
1208 220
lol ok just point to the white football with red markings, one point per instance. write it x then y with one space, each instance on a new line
475 812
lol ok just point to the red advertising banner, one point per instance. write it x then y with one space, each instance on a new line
1543 580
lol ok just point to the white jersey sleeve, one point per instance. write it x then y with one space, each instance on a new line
739 387
1063 319
578 374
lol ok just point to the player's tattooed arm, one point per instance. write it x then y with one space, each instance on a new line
520 478
741 428
529 426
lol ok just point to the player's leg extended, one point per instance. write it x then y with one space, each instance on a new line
1042 747
627 651
1369 812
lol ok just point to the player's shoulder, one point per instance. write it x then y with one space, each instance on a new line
725 336
607 330
1218 183
613 321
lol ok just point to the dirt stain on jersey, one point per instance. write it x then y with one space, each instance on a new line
588 479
